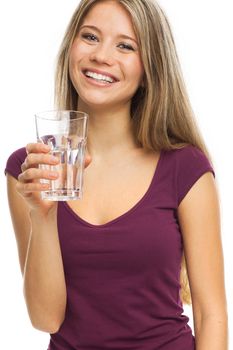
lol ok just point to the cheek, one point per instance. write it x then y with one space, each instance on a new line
71 67
135 70
72 59
77 52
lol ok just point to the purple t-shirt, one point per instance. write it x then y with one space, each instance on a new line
123 277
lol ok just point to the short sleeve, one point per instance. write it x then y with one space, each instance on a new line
191 164
14 162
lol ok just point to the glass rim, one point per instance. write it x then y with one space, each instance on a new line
39 115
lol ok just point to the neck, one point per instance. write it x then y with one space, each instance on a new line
110 132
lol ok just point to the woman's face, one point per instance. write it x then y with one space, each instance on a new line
105 64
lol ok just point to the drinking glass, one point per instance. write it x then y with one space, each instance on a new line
65 131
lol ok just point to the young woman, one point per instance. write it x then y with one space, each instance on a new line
109 271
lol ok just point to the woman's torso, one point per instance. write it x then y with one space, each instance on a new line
122 256
112 189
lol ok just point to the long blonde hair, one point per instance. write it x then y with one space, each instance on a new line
160 109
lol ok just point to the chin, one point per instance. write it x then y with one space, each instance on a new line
96 101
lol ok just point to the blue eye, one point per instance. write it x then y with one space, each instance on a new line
93 38
89 36
126 47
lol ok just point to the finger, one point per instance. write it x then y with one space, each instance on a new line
25 189
36 174
87 159
34 159
23 167
38 147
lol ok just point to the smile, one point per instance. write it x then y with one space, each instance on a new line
98 77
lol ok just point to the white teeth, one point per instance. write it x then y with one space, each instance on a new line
99 76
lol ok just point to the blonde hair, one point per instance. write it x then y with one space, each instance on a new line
160 109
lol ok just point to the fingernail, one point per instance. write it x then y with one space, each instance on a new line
53 174
45 185
54 159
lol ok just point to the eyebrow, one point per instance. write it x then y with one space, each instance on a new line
119 35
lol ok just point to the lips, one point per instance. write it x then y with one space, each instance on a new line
100 72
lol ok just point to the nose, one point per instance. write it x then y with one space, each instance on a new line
102 54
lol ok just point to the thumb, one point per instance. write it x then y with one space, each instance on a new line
88 159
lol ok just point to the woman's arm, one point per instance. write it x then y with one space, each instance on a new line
35 225
199 218
40 261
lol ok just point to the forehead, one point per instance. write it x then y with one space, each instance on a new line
111 16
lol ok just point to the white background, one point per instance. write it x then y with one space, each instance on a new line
31 32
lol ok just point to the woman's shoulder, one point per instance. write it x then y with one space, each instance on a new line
187 156
14 162
19 153
186 166
184 151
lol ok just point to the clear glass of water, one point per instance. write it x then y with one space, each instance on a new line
66 133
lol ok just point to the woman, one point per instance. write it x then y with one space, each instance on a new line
105 272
